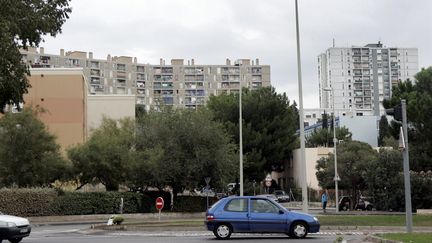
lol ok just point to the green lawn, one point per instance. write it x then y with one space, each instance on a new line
373 220
405 237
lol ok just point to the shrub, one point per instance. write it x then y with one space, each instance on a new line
192 203
47 202
29 201
117 220
73 203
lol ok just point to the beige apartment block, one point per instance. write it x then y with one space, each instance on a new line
109 106
292 170
179 83
62 93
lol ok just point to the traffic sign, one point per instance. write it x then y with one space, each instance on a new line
159 203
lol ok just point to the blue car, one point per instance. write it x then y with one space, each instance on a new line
257 214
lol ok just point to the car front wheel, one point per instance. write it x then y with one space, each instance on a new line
299 230
222 231
15 240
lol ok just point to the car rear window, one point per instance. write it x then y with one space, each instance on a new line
237 205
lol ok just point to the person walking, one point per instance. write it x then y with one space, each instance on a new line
324 199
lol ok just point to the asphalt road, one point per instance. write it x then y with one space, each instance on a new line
80 233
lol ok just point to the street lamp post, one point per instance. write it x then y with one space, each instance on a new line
241 139
301 118
336 178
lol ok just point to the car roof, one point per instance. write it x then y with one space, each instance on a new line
258 196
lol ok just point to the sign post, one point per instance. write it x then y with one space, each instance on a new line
159 205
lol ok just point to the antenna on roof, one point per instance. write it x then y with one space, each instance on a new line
333 42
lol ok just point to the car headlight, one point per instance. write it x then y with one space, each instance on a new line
315 218
7 224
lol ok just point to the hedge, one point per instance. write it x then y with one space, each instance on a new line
28 202
75 203
48 202
192 203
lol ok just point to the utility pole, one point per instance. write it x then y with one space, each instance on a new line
302 135
407 181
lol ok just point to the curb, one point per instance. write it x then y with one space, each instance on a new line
376 239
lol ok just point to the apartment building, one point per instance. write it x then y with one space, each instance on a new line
360 78
178 84
62 93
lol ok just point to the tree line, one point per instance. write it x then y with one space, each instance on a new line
167 147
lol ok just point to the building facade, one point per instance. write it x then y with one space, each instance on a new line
360 78
62 94
177 84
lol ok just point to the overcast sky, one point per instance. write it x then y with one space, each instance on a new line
212 30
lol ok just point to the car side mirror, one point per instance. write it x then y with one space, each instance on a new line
281 212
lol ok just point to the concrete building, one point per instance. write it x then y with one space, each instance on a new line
109 106
292 173
179 84
62 93
362 77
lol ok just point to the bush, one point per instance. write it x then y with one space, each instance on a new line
29 201
192 204
47 202
73 203
117 220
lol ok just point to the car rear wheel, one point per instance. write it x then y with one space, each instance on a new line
15 240
299 230
222 231
369 208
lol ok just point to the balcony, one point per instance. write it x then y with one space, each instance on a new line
140 85
230 70
97 89
163 70
140 69
231 78
121 67
94 65
195 78
194 70
163 77
141 76
94 72
141 92
121 82
256 70
95 80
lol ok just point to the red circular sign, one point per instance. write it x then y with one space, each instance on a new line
159 203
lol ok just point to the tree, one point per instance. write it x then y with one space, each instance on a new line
353 158
22 24
269 126
29 154
106 156
178 148
384 130
324 137
384 179
419 103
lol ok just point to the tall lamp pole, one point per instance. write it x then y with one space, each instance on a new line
302 135
336 178
241 139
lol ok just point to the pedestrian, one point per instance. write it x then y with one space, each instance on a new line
324 199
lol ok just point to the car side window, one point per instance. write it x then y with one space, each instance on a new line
237 205
263 206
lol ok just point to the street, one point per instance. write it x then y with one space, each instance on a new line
81 233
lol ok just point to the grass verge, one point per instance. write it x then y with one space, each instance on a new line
405 237
373 220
